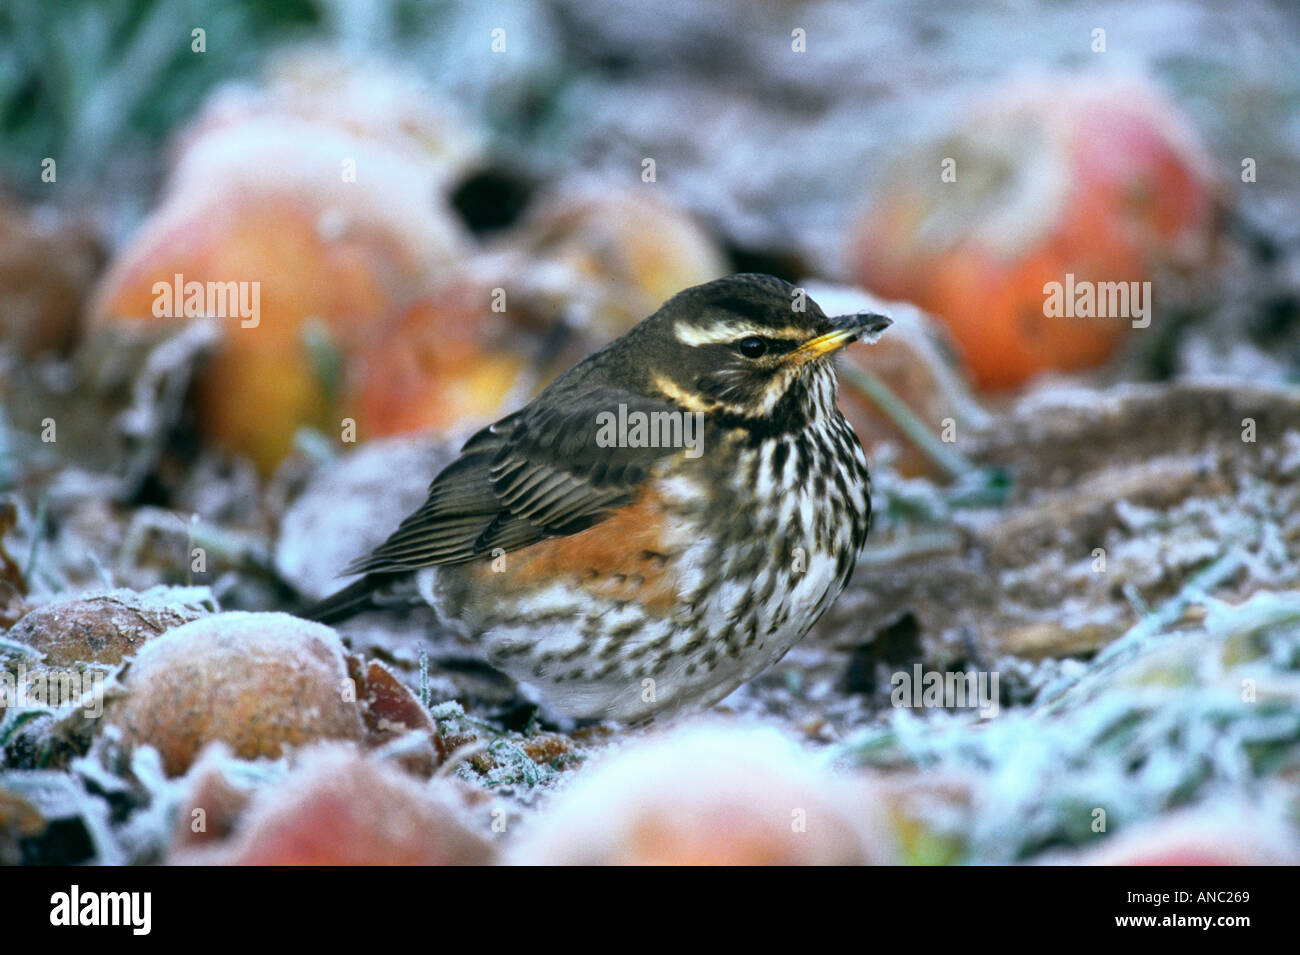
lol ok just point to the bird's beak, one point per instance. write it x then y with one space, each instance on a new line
864 326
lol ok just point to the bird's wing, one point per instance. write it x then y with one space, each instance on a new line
538 473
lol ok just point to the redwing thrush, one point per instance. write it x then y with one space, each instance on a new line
662 522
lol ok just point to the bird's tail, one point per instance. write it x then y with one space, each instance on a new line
351 600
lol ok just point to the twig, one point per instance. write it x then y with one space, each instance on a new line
42 511
907 421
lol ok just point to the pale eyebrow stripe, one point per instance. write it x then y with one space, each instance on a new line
727 332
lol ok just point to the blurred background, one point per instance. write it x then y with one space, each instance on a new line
381 167
428 209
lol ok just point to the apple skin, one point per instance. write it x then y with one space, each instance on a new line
1096 177
327 198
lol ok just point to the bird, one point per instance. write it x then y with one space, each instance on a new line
661 523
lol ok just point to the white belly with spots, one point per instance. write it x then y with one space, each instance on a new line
739 610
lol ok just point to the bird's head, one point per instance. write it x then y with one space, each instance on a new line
747 347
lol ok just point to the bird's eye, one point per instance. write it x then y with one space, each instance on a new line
752 347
